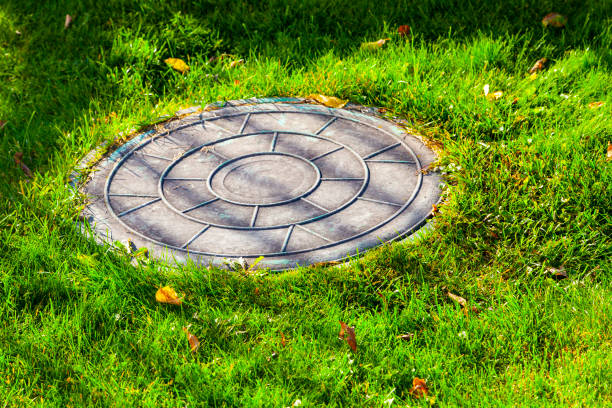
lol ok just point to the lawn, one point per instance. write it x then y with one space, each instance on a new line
524 232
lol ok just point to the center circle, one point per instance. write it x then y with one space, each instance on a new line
264 179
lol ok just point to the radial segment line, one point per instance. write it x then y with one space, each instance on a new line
254 217
314 233
219 155
287 237
196 236
328 153
215 125
315 205
274 139
244 124
326 125
138 207
384 149
200 205
379 201
156 157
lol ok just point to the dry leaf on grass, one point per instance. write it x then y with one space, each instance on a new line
168 295
403 30
457 299
194 343
348 333
374 45
609 154
177 64
329 101
595 105
283 339
419 388
538 66
495 95
406 336
68 21
236 63
554 20
26 170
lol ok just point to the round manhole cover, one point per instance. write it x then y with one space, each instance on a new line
295 183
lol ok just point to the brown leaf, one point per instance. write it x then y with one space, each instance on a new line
2 124
256 291
348 333
374 45
609 154
168 295
557 273
283 339
406 336
236 63
177 64
403 30
595 105
194 343
554 20
457 299
538 66
17 157
68 21
329 101
419 388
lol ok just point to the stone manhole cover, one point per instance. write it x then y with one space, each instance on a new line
293 182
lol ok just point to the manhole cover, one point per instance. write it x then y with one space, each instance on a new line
293 182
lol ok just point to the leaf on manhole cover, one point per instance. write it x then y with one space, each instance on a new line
374 45
168 295
419 388
177 64
194 343
329 101
538 66
554 20
348 333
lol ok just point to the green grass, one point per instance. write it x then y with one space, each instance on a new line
529 189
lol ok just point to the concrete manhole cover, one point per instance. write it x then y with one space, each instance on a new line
293 182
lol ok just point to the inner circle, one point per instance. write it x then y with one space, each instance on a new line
264 179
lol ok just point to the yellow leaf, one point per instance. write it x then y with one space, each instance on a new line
495 95
533 76
374 45
595 105
177 64
168 295
329 101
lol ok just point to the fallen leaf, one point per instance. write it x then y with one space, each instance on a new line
457 299
236 63
434 209
168 295
596 105
495 95
557 273
283 340
17 32
26 170
419 388
68 21
177 64
329 101
256 291
348 333
194 343
485 89
403 30
406 336
2 123
374 45
538 66
609 154
554 20
515 101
